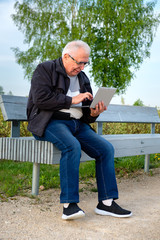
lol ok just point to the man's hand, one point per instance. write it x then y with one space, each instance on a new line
82 97
98 109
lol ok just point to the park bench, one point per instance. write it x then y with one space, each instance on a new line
27 149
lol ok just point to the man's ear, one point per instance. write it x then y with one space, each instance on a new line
66 56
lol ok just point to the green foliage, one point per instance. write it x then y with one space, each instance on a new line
23 130
120 34
128 128
1 90
155 162
139 102
123 34
47 27
5 128
128 165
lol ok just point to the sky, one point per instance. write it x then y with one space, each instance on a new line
145 86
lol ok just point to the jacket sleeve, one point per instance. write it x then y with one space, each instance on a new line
87 118
45 95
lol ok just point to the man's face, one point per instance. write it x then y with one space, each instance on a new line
71 67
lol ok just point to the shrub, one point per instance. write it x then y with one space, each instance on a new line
5 128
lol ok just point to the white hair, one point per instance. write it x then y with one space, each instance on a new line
75 45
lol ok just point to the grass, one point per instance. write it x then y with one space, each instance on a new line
16 177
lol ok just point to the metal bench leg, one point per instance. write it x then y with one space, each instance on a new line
146 163
35 178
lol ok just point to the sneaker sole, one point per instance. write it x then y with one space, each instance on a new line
77 215
105 213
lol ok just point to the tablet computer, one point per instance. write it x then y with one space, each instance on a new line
103 94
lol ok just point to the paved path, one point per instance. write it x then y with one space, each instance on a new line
23 218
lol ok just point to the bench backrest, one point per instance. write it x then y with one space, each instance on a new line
129 114
14 109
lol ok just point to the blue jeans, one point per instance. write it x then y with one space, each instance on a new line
70 136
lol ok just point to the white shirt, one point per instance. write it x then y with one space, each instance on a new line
74 90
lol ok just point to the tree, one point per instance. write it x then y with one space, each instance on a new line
47 26
10 93
138 102
119 32
1 90
123 34
122 100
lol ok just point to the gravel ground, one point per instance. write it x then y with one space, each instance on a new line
24 218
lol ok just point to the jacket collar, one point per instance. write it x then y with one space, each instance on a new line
60 68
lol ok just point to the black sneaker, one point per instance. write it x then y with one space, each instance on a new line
114 210
72 212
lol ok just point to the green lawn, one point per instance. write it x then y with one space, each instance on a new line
16 177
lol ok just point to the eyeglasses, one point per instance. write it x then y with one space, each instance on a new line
80 63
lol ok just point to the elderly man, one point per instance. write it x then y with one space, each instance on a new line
56 112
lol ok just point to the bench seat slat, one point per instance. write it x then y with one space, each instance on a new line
134 144
31 150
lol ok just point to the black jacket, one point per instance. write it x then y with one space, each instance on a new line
47 96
